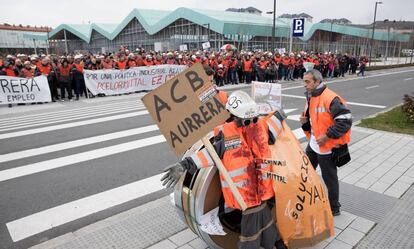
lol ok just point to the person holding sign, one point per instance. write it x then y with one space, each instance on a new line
327 123
241 145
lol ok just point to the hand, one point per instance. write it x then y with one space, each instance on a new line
322 140
172 175
303 119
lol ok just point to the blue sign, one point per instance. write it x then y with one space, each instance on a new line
298 27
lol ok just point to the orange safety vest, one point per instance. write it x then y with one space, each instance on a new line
121 64
263 64
79 67
258 137
64 71
278 59
45 70
148 63
247 65
27 73
132 63
286 61
321 119
222 96
239 162
10 72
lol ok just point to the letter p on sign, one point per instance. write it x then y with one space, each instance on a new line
298 27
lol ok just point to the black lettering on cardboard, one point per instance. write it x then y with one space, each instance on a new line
183 132
159 106
205 114
190 125
197 119
195 81
211 109
174 137
172 91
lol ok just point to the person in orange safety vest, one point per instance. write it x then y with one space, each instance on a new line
243 146
327 123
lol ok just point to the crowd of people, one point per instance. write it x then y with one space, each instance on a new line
229 67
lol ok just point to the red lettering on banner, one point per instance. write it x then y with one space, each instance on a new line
156 80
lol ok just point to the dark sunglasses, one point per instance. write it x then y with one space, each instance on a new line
246 122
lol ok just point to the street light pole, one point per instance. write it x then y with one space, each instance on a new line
274 26
388 39
373 31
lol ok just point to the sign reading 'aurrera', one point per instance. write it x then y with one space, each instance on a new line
186 108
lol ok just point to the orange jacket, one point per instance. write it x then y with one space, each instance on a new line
121 65
321 119
45 70
247 65
258 137
222 96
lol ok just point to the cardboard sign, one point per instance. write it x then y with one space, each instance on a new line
268 96
15 90
206 45
303 213
183 47
186 108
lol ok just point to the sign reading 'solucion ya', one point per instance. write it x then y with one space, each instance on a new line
112 82
14 90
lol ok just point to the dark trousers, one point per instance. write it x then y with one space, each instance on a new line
248 77
65 85
329 175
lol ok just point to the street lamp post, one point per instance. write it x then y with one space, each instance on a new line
373 31
388 39
274 24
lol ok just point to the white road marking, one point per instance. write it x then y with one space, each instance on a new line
77 158
408 79
352 79
69 117
56 114
56 216
348 103
53 217
70 125
370 87
299 133
76 143
294 117
289 110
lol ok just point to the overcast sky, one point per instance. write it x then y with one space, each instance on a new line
55 12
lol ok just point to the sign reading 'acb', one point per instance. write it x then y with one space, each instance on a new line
186 108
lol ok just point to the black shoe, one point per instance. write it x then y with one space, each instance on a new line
336 212
280 245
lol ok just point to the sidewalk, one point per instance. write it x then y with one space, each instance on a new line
376 193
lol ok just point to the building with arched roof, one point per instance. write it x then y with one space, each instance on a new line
167 30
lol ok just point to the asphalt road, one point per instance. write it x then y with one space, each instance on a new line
43 172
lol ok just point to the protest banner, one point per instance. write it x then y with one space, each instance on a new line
206 45
112 82
268 96
303 213
186 109
16 90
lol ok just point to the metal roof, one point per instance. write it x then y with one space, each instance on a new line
223 22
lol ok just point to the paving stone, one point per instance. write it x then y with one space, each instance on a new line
396 229
183 237
342 221
390 177
379 187
337 244
165 244
337 232
406 179
369 179
198 244
363 225
363 184
185 247
397 189
350 236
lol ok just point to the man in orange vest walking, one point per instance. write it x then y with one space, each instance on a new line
327 123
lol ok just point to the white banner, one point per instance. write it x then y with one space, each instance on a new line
112 82
14 90
206 45
268 96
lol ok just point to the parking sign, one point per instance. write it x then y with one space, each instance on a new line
298 27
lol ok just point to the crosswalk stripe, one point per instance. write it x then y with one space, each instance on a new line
76 143
44 220
294 117
49 116
348 103
69 117
77 158
56 216
70 125
77 110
